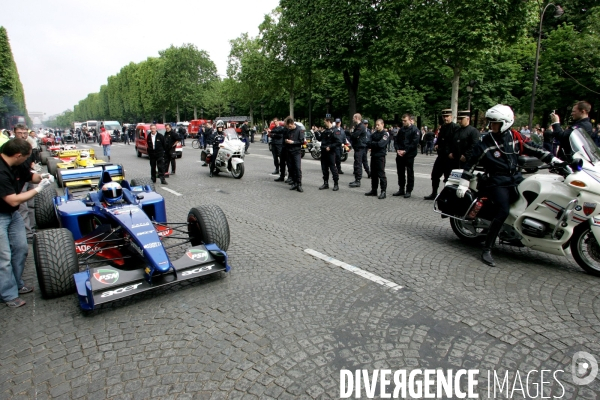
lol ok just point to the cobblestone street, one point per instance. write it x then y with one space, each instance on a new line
283 323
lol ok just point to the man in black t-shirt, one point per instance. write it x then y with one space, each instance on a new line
13 240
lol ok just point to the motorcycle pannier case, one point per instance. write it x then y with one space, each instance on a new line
203 155
449 204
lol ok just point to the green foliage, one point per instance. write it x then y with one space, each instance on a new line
11 88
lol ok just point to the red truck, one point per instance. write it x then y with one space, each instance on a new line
195 124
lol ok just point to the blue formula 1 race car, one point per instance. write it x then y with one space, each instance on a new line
113 242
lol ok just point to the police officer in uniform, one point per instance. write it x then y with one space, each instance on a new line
293 141
329 142
276 133
365 159
442 165
155 145
498 153
338 130
579 114
407 142
216 139
462 142
378 148
359 144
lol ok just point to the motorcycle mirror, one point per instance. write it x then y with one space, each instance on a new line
577 164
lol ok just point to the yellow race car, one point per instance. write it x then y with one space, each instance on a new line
83 170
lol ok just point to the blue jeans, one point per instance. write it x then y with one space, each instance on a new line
106 149
13 253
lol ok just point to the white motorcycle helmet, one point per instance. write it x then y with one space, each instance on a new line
220 124
501 113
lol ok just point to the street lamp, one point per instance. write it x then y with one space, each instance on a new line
558 11
202 113
327 101
470 87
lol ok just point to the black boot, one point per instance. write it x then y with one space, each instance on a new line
294 186
354 184
288 180
340 172
400 192
276 172
335 186
371 193
163 182
433 195
490 240
382 195
280 179
324 186
299 188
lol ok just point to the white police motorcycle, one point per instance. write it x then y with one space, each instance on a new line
556 213
230 157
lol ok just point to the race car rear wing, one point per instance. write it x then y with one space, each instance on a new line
89 177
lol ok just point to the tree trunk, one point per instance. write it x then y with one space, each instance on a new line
177 112
454 98
195 113
251 116
292 97
352 87
310 99
164 115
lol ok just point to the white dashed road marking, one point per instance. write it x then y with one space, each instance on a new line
170 191
372 277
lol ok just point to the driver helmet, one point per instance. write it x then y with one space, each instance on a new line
501 113
84 154
112 192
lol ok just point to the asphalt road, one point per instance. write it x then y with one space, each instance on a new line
321 281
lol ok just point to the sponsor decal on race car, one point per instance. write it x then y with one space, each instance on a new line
106 276
140 225
84 248
144 233
137 248
125 210
197 270
165 232
152 245
109 293
197 254
147 270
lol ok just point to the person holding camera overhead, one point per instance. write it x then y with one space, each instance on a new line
579 114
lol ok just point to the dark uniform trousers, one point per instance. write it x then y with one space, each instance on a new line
170 161
283 161
378 173
406 173
441 166
358 158
338 159
157 161
276 150
328 160
365 162
294 158
213 158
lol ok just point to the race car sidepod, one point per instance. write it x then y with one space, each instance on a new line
107 283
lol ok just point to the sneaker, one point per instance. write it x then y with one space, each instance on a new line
14 303
25 289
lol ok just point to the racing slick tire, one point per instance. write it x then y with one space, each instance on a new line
45 214
59 179
344 157
44 157
586 249
464 233
52 163
55 262
238 172
143 182
208 224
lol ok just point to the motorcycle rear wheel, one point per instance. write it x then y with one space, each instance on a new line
586 250
470 235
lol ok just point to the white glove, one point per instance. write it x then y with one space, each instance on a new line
556 161
48 176
43 184
462 188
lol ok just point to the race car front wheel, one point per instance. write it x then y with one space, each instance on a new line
208 224
44 157
45 214
55 262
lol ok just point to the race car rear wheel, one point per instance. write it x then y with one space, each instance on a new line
55 262
59 179
45 214
208 224
44 157
52 163
143 182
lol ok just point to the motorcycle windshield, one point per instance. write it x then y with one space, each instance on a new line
584 145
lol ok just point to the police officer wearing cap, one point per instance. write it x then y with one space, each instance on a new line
462 142
329 142
292 142
442 164
359 143
339 132
378 148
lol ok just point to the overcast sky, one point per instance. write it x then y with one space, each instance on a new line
65 49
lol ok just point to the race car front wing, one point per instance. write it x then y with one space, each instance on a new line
104 284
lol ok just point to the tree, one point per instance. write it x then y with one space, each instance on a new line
316 37
11 88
